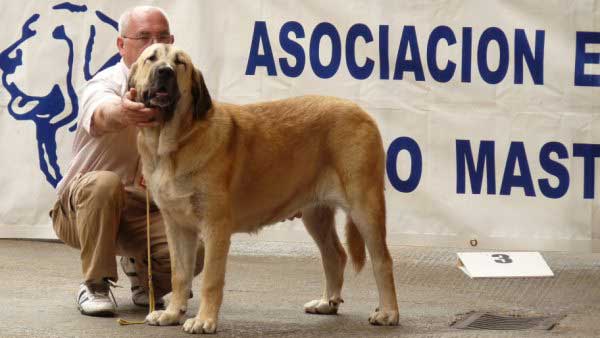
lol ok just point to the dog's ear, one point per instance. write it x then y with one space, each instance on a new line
200 95
131 80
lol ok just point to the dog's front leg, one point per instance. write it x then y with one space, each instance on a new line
217 238
183 248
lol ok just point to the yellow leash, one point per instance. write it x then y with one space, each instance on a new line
150 286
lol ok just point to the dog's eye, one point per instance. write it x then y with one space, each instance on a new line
152 58
179 62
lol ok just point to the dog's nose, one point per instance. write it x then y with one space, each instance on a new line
165 72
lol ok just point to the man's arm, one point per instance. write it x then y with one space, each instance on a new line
107 118
116 113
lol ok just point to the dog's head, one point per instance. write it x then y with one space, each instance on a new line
165 78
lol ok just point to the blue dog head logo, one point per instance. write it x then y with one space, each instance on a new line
40 89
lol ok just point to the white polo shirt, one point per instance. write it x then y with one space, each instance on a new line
116 151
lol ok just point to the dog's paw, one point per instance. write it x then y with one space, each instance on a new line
195 325
323 307
384 318
163 318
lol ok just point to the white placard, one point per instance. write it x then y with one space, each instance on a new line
503 264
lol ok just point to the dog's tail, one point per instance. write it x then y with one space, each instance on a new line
356 245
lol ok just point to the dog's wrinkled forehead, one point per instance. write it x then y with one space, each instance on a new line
163 53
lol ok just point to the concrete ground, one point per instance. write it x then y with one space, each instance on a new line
268 282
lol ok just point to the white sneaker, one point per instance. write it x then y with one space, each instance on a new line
138 293
93 299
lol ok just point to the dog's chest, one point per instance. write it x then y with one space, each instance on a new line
173 194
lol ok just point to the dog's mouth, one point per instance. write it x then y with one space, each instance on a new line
159 97
164 98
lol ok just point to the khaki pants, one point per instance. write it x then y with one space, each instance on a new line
97 215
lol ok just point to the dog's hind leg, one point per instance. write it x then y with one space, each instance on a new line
368 214
319 222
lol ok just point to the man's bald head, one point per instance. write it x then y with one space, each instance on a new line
136 12
139 27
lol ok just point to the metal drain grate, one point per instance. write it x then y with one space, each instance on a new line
488 321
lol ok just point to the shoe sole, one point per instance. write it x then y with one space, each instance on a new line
106 313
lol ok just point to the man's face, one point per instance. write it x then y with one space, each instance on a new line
145 28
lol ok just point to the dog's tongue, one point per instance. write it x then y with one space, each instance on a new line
160 98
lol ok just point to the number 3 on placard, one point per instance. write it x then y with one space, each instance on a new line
502 258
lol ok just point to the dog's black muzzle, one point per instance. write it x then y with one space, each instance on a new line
163 92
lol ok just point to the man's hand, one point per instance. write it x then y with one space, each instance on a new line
118 113
136 113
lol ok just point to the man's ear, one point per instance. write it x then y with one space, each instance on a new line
131 80
200 95
120 44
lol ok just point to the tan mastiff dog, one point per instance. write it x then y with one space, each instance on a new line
215 169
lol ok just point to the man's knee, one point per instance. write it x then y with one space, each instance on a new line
101 187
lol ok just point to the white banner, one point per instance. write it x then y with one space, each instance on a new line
488 109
